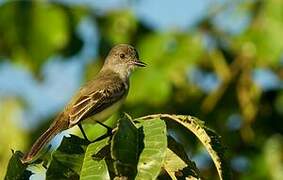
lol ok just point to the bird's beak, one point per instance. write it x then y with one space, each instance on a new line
139 63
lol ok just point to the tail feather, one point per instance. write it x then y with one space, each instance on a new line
56 127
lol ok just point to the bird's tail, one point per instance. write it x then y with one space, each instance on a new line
59 124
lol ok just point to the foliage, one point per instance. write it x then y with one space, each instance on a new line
226 69
17 170
134 151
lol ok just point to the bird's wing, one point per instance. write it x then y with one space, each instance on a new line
95 102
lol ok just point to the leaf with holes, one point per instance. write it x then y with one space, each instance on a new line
153 154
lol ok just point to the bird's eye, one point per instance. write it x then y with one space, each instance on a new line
122 55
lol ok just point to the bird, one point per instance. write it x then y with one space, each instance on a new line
97 100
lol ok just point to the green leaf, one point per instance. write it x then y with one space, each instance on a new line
191 168
173 163
155 144
94 165
67 159
17 170
208 138
125 148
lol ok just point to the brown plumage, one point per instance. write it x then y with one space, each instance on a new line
97 100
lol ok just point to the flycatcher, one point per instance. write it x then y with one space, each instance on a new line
96 100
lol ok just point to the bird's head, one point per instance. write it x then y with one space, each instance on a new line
123 58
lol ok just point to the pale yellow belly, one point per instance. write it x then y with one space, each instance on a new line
105 114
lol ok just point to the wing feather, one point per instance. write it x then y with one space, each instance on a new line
94 102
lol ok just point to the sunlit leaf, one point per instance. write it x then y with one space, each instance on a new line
208 138
154 152
94 165
173 164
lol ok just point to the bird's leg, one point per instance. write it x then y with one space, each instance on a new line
83 132
108 133
101 137
109 129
